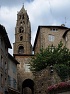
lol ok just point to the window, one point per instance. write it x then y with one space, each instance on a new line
54 29
5 67
21 30
24 22
9 80
21 23
19 16
22 16
21 38
1 80
14 83
5 81
27 67
14 69
21 50
51 37
1 61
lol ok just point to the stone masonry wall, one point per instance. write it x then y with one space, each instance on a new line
43 79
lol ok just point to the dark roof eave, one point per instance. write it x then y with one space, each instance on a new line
12 58
23 55
8 42
54 26
5 36
36 37
66 32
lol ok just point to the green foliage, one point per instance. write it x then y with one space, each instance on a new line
63 71
58 57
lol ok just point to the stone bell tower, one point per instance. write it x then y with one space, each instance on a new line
22 43
22 51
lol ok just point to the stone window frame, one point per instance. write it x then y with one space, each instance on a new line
51 37
27 67
21 38
21 49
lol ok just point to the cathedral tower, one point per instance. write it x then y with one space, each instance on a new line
23 52
22 43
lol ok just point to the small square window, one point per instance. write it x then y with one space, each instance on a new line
54 29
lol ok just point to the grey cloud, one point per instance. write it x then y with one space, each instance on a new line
11 3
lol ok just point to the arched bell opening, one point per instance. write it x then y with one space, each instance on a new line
21 50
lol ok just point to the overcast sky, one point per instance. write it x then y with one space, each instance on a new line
41 12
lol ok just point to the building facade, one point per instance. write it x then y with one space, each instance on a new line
4 45
50 36
46 36
23 52
12 75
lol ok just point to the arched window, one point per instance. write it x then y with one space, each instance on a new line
19 16
21 50
22 16
21 30
21 38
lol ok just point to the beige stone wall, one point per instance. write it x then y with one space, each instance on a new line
23 21
38 44
68 40
43 79
43 38
26 45
23 68
23 71
57 36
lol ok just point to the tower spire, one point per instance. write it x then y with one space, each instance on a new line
23 5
